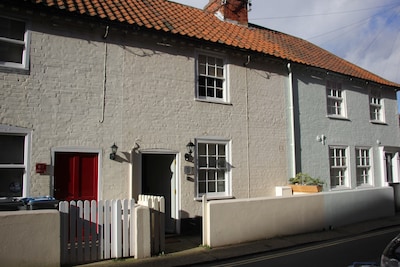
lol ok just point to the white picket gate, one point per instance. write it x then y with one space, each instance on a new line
96 230
157 218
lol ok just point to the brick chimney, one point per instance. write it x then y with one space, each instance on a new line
230 10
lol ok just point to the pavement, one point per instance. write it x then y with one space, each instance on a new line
186 250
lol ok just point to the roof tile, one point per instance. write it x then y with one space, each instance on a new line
163 15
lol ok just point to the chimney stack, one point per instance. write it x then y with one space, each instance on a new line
230 10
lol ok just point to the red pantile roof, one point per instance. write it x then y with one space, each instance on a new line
170 17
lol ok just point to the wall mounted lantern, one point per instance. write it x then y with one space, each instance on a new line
114 149
321 138
190 147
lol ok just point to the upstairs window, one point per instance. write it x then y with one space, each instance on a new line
338 167
335 99
211 84
375 106
213 171
13 43
363 167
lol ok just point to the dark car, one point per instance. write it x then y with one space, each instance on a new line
391 254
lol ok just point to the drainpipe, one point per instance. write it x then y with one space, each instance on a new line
291 129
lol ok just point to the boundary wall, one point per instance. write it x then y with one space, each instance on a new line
30 238
227 222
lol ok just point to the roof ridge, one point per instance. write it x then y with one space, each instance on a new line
184 20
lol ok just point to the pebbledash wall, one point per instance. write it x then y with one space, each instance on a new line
138 90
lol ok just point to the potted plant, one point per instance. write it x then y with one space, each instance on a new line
304 183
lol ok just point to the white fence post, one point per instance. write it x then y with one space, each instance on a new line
132 232
142 232
205 221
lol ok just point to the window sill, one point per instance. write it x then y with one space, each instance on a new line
340 188
213 101
214 198
364 186
378 122
14 69
336 117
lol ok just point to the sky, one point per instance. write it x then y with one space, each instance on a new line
364 32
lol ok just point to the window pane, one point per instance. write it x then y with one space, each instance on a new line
202 91
201 149
221 186
202 187
210 82
220 72
11 182
14 146
11 52
221 150
12 29
219 93
218 83
220 175
212 162
202 175
221 163
211 175
210 92
211 60
211 71
202 81
211 187
202 59
202 162
212 149
202 69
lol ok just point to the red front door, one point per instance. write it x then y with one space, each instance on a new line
75 176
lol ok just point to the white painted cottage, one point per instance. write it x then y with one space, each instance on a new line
151 76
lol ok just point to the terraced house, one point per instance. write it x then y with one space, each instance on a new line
252 106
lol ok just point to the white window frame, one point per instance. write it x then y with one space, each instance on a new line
338 167
23 43
11 130
376 106
215 78
364 166
335 99
226 166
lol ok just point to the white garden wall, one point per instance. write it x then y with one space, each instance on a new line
228 222
30 238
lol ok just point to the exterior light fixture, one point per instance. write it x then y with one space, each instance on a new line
114 149
190 147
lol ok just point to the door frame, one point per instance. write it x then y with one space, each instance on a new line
78 150
177 197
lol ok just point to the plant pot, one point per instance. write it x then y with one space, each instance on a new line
306 188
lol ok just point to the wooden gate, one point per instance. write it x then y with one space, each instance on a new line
93 231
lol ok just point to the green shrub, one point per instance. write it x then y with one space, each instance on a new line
305 179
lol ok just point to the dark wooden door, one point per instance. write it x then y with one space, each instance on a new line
75 176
